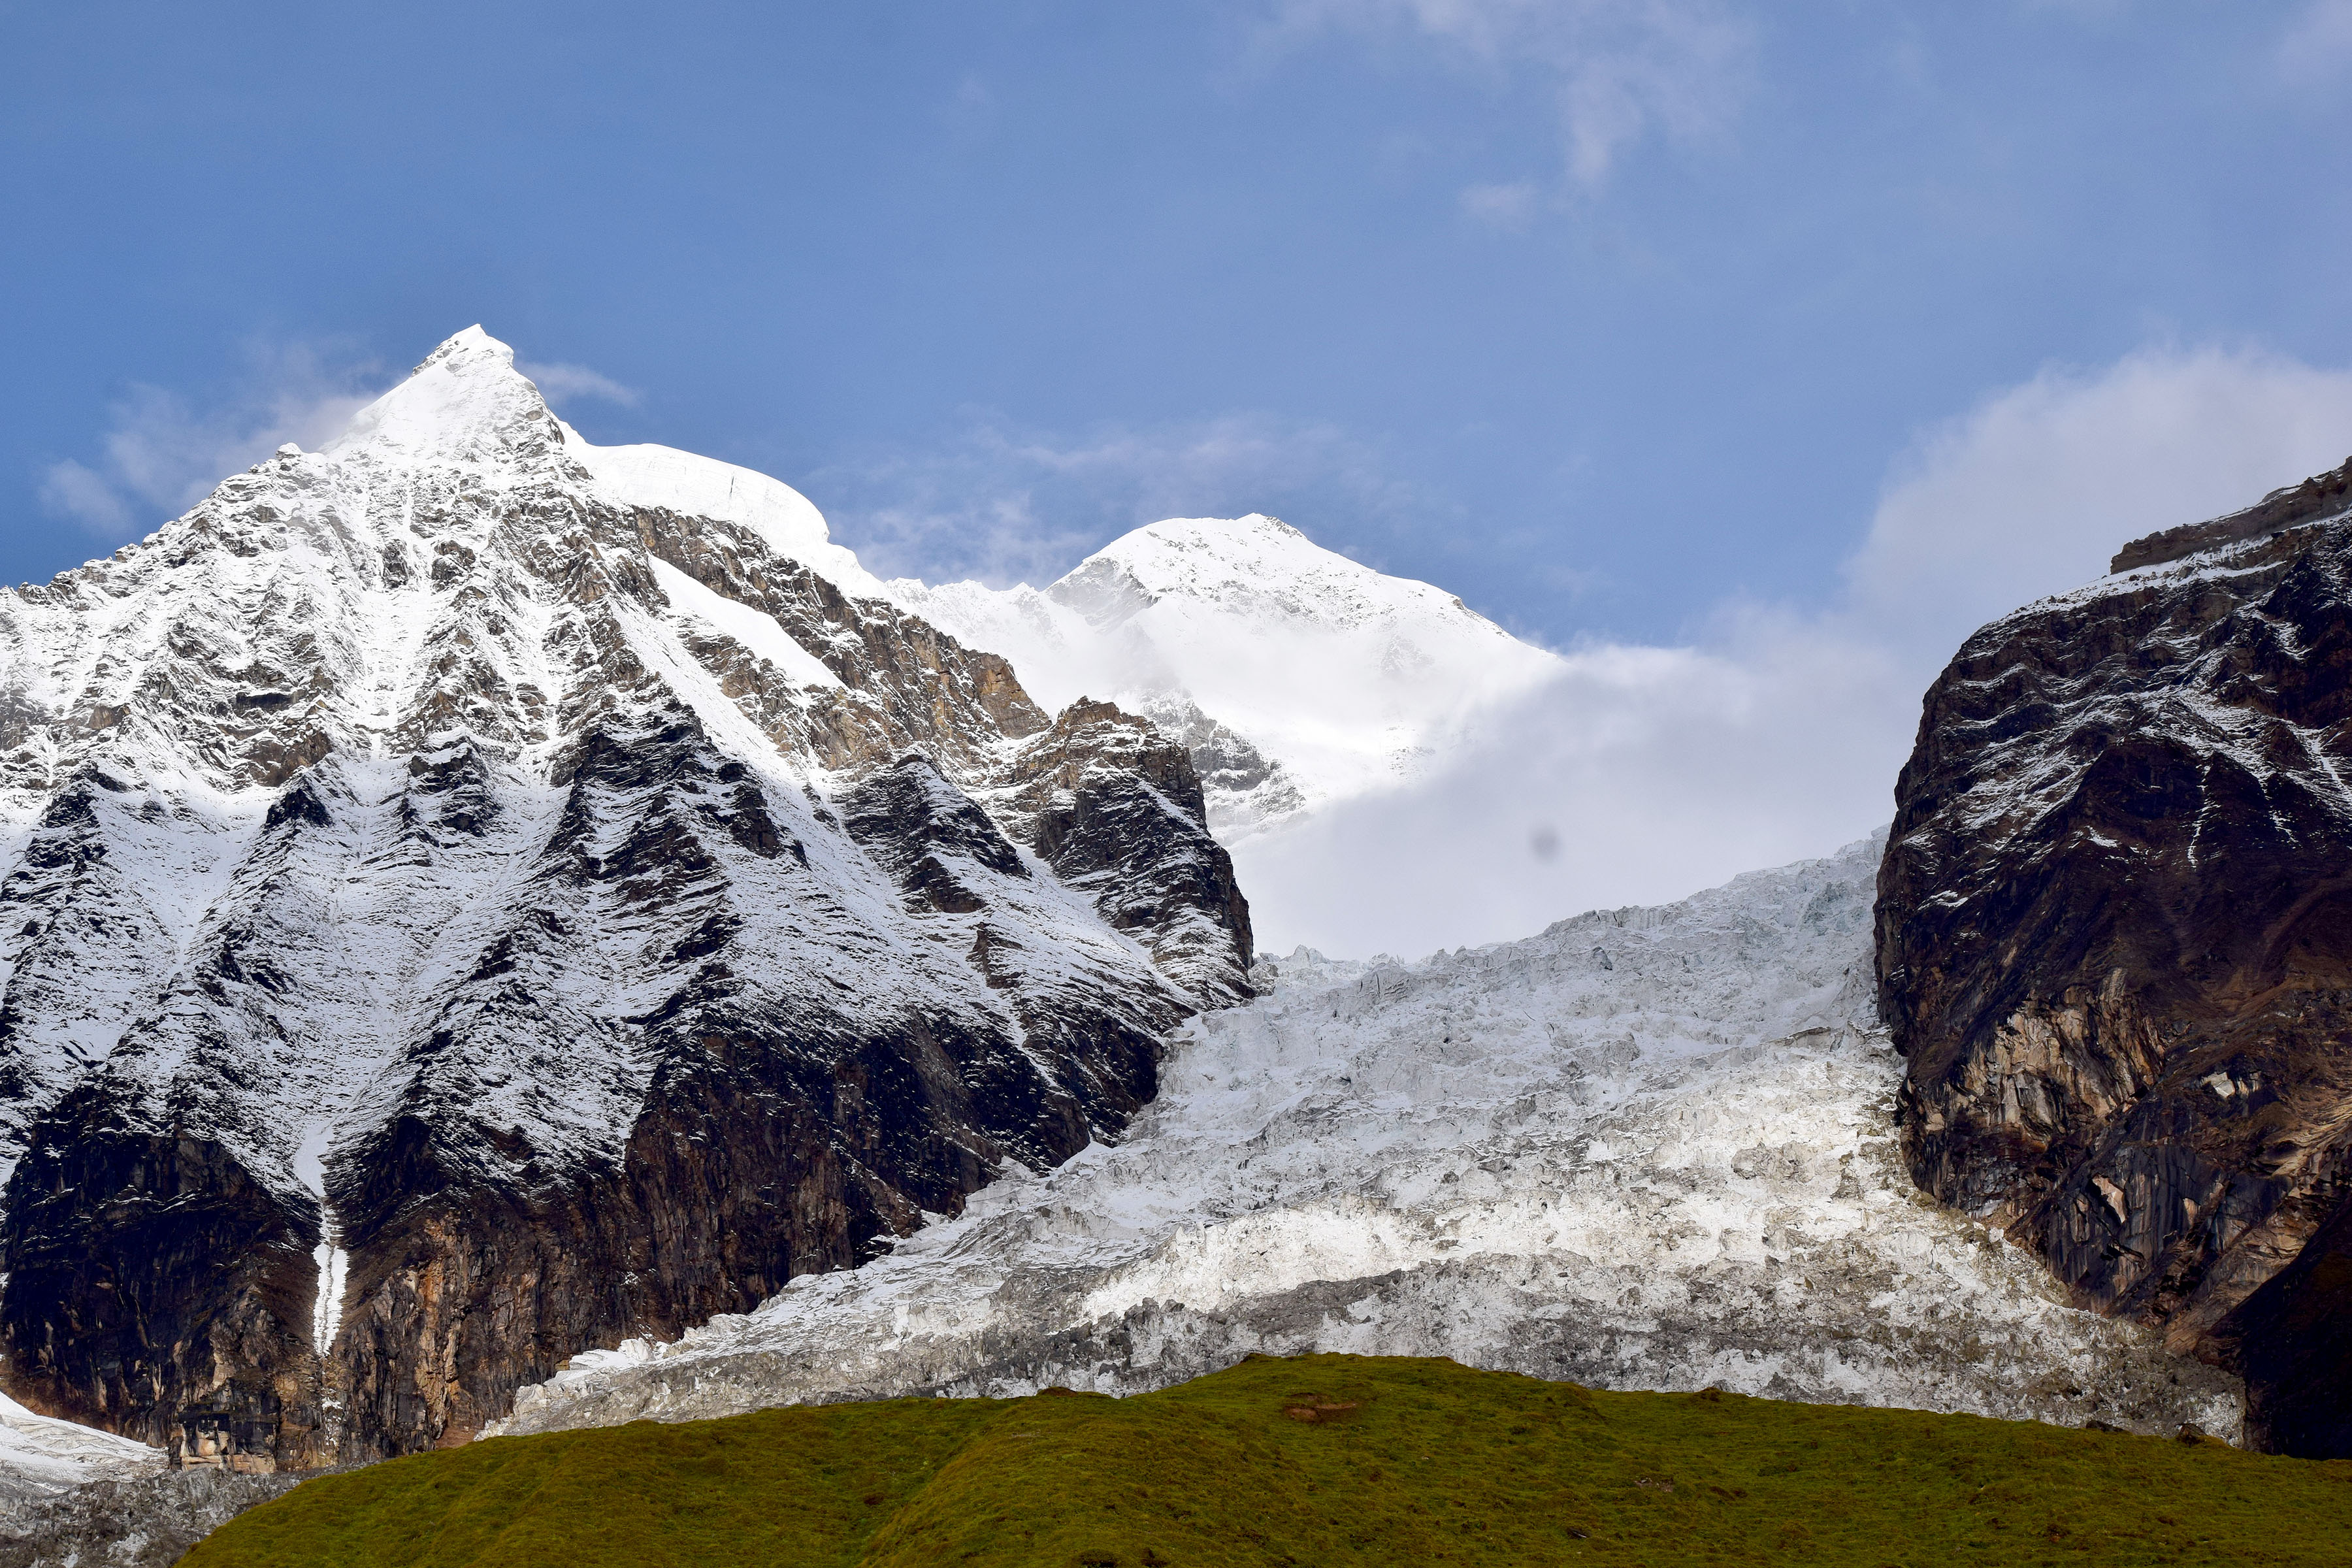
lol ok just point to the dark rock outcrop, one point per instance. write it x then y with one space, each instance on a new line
2115 942
1112 805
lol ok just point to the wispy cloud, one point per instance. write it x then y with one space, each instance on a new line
162 452
2317 45
564 383
1005 505
160 455
72 489
1616 72
1505 206
1657 770
971 109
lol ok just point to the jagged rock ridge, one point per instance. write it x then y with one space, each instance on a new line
470 895
2115 940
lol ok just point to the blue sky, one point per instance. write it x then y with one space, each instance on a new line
1614 316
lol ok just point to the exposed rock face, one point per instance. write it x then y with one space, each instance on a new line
2318 498
1111 805
470 896
2115 941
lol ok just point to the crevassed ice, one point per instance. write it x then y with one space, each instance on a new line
1649 1148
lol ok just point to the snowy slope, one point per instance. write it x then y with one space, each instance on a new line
1297 677
1648 1148
784 519
475 892
41 1458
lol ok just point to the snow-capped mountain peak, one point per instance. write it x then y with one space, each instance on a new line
466 867
1256 565
1297 677
465 403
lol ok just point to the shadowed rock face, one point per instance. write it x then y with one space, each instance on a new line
455 914
2115 942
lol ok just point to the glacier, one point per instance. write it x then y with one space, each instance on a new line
1649 1148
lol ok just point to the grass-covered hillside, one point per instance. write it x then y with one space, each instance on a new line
1322 1460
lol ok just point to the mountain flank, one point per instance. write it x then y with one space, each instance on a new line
470 896
2114 944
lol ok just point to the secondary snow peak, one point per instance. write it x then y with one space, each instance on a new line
1297 678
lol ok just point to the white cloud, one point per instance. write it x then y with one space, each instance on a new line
1778 735
72 489
2317 45
2033 491
1501 206
1655 771
971 109
1617 70
563 383
161 456
1006 506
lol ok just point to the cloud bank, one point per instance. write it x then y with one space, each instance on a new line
1643 773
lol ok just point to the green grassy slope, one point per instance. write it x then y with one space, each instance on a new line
1321 1460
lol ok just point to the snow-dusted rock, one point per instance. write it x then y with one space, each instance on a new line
1648 1148
2115 945
466 895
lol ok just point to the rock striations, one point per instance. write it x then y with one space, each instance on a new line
468 896
2115 941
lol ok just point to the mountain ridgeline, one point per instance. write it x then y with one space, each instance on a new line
2115 941
472 896
476 905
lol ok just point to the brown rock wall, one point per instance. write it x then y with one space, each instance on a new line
2114 932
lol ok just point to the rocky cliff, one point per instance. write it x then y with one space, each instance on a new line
2115 942
470 896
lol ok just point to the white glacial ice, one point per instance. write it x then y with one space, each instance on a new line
41 1457
1649 1148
